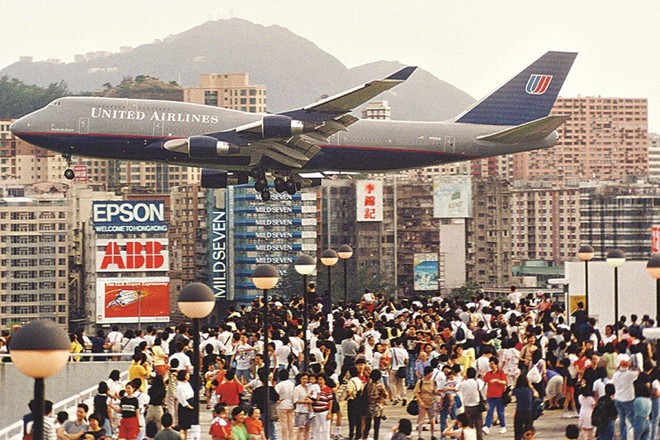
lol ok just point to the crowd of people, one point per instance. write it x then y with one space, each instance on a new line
453 364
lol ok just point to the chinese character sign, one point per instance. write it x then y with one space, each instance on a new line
655 239
369 197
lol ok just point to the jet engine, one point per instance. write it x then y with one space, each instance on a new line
207 147
202 147
280 126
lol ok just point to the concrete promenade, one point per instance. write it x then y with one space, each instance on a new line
549 426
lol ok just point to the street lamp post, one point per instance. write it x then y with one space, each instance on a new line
196 301
329 258
265 277
653 268
305 265
615 258
586 253
345 252
40 349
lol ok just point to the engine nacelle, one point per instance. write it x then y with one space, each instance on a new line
280 126
214 178
207 147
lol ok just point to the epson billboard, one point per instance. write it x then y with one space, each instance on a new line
124 217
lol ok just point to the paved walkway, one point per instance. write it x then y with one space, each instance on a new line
549 426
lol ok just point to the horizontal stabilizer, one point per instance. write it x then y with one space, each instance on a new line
530 131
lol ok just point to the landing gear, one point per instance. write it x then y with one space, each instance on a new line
68 173
282 183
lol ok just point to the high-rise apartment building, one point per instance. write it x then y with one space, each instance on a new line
489 241
605 139
34 274
654 157
545 221
615 216
378 110
188 237
228 90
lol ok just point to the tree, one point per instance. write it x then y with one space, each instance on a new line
467 291
17 99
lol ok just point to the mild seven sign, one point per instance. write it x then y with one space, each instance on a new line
134 217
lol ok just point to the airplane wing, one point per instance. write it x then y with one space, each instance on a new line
290 138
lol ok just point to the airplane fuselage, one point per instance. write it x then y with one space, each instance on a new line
130 129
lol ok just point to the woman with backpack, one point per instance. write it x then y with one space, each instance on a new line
425 392
605 414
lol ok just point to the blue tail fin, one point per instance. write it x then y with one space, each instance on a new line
528 96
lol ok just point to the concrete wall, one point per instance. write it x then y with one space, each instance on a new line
637 290
16 390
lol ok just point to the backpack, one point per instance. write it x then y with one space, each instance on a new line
599 414
460 333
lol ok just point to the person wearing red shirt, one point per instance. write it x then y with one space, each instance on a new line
230 390
496 380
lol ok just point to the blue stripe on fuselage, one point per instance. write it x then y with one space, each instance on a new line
331 157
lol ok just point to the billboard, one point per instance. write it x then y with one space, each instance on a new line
129 300
452 197
218 250
655 240
426 272
369 199
132 255
124 217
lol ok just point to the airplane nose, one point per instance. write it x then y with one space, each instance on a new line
19 126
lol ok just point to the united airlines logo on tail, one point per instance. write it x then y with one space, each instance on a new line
538 84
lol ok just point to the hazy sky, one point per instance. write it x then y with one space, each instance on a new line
474 45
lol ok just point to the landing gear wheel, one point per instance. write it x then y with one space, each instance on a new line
265 195
257 173
69 174
261 185
280 185
291 187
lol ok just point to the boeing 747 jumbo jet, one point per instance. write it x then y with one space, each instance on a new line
296 147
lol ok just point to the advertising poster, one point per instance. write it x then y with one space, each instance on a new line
369 198
123 300
132 255
426 272
452 197
122 217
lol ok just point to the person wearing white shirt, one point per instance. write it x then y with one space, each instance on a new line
184 360
470 390
399 359
285 406
624 394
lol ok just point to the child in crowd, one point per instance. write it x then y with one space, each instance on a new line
255 426
220 425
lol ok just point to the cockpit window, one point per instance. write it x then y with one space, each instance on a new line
55 103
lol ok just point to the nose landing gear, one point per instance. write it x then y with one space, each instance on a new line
68 173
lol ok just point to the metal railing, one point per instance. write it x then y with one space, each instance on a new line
15 430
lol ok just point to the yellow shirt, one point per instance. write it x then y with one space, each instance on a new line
141 372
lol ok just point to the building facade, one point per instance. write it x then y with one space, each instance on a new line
605 139
228 90
34 249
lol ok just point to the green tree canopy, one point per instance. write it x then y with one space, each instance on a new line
17 99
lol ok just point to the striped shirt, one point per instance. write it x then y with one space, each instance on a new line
323 400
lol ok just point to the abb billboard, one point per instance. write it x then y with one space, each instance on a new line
132 255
